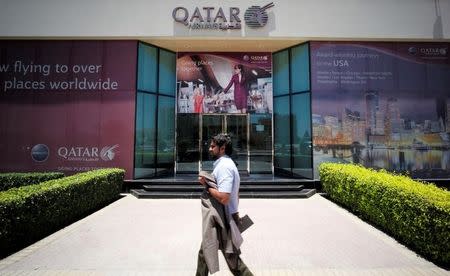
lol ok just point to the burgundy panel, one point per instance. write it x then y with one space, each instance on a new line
53 119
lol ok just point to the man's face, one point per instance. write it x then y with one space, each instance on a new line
214 150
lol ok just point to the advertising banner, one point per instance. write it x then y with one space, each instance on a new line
67 105
383 105
224 83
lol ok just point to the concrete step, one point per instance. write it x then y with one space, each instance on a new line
199 188
303 193
193 180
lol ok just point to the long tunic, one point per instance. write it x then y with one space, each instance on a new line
240 91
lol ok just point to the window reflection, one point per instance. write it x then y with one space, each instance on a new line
261 143
145 135
282 132
292 113
166 139
188 152
155 113
301 138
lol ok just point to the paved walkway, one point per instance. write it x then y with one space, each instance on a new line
162 237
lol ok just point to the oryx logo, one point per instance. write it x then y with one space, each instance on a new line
412 50
256 16
40 153
107 153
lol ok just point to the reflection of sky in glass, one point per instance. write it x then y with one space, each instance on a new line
281 120
281 73
301 116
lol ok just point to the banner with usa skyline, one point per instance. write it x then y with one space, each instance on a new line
382 105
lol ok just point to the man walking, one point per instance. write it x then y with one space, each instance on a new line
224 202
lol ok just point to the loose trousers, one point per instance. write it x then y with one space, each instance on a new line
240 270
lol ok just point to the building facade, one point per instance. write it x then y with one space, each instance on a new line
144 85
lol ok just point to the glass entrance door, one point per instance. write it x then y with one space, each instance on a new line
251 136
237 127
233 124
211 125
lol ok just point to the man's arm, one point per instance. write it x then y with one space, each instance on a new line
223 198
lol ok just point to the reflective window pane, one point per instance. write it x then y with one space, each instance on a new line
260 143
167 72
147 68
236 127
301 135
300 68
166 134
188 152
145 135
281 73
282 133
211 126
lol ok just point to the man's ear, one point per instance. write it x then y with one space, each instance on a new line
222 149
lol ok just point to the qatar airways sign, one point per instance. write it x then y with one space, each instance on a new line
219 18
81 153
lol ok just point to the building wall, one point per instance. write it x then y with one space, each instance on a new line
326 19
319 20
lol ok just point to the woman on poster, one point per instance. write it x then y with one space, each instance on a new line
198 101
240 88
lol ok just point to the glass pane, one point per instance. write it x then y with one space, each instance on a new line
166 133
212 125
145 135
281 73
237 129
261 143
147 62
187 143
139 133
282 140
301 138
167 72
300 68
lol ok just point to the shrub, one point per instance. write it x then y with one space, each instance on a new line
31 212
11 180
416 213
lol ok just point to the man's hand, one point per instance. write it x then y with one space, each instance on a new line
202 180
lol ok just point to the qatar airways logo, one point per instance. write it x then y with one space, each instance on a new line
108 153
256 16
433 51
208 18
429 51
219 18
256 59
259 58
40 153
88 154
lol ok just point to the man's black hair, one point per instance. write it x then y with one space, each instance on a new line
224 139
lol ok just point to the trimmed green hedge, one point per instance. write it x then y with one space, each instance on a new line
31 212
415 213
12 180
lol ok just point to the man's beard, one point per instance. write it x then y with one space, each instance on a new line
214 157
